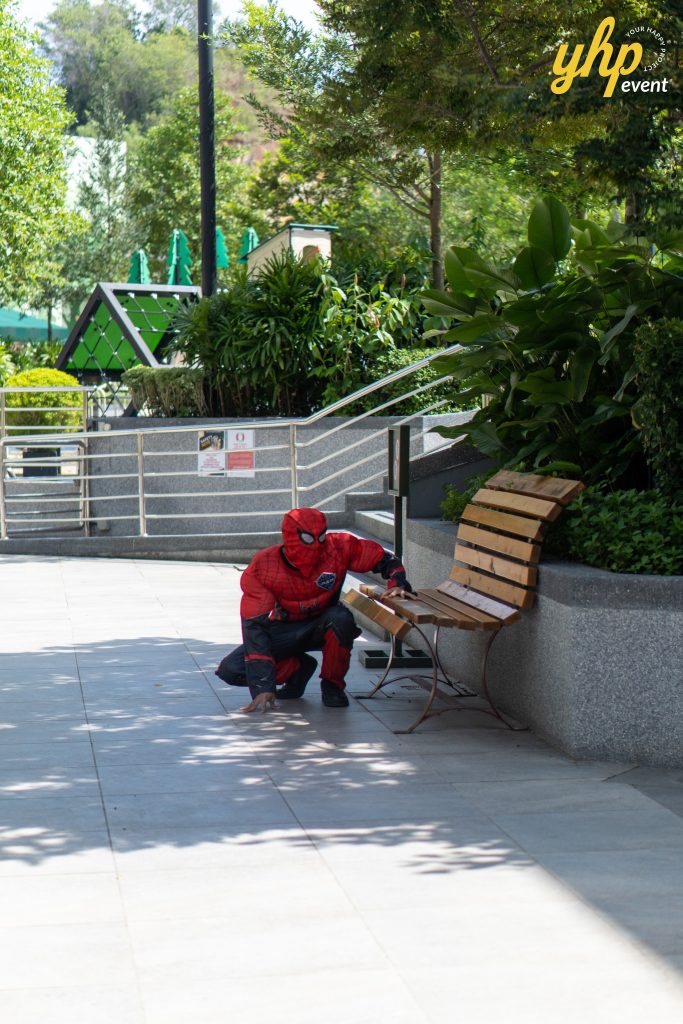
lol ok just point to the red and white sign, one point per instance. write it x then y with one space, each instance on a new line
240 455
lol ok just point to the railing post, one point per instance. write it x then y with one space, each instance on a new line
293 466
141 484
85 410
3 511
3 414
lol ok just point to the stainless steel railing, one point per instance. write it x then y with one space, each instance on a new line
144 481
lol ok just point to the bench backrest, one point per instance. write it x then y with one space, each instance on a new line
498 542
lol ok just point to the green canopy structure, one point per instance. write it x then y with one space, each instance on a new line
121 326
22 327
179 260
139 268
249 241
222 258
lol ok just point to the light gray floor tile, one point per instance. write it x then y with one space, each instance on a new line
36 850
181 952
296 888
262 805
57 809
265 848
96 1005
46 900
516 764
539 796
594 830
61 956
520 991
347 996
411 801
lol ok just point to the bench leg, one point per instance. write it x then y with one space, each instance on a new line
485 688
436 663
383 678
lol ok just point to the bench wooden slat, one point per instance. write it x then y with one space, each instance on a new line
416 611
525 575
520 526
498 609
537 508
398 627
536 486
460 608
494 587
526 552
448 616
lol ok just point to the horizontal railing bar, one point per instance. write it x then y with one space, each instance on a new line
343 451
345 490
373 412
340 472
405 371
48 389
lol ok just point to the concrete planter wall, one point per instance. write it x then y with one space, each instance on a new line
595 668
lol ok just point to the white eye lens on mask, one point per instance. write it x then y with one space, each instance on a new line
323 537
307 538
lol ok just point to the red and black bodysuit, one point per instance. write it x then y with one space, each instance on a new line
290 602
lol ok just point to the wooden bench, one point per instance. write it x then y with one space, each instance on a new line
492 580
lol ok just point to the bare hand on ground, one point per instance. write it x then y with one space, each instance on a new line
261 700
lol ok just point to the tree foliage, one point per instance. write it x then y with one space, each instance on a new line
33 118
164 190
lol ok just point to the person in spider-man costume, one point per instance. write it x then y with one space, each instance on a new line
290 605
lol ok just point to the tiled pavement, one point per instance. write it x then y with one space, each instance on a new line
165 859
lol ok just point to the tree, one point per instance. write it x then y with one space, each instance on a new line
102 45
33 118
164 191
322 123
100 248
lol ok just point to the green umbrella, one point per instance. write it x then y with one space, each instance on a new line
222 258
249 241
139 268
179 260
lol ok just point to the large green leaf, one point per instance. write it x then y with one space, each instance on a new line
476 329
444 304
580 367
549 227
490 280
457 261
534 267
608 340
485 437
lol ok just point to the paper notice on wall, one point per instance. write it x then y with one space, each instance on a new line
211 453
240 456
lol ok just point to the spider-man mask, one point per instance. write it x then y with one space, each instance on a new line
304 531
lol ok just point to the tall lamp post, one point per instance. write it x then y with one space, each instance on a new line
207 145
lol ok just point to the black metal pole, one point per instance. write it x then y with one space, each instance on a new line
207 145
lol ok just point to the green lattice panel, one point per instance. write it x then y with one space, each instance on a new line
151 314
102 347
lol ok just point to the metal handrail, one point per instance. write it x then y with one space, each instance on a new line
142 469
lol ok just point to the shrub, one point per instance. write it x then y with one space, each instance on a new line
623 531
289 340
453 505
67 406
387 362
549 351
658 354
167 390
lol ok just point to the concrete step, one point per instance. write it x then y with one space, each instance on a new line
377 523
